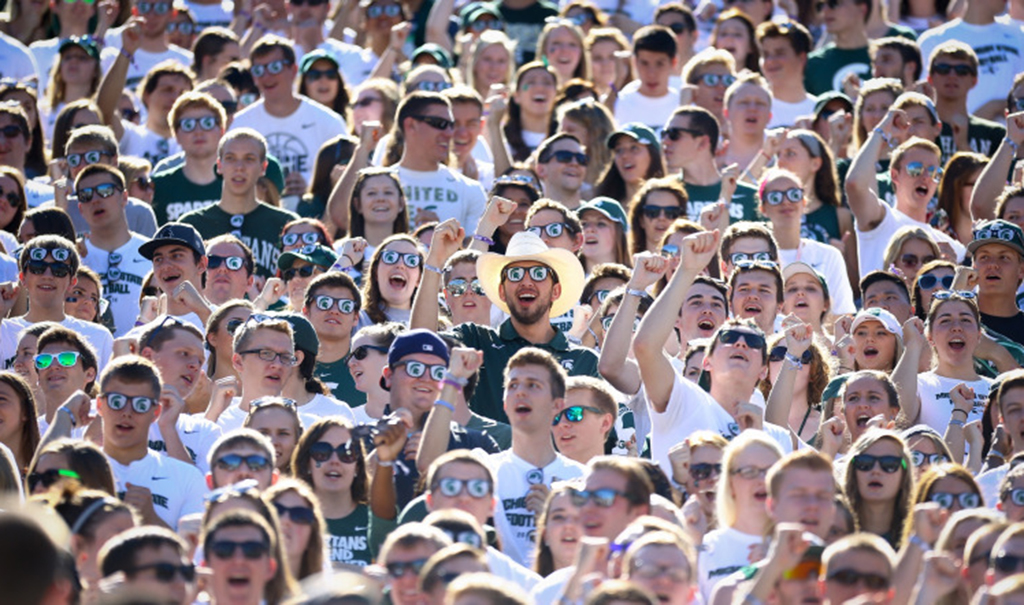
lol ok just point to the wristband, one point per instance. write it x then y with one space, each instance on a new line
794 360
445 404
385 462
995 454
432 269
920 543
461 382
71 416
1013 145
955 422
452 383
636 293
955 410
484 239
885 136
126 55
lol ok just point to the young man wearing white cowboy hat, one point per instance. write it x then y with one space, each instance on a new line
530 282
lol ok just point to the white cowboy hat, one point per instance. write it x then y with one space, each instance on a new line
526 246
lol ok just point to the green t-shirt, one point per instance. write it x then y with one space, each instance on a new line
524 26
348 540
339 380
984 136
174 195
901 30
499 431
828 66
259 229
742 207
821 225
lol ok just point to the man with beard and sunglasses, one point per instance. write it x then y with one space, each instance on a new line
47 265
689 142
736 361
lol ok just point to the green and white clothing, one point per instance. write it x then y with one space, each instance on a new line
122 272
98 336
742 206
348 540
197 434
142 62
983 135
828 66
339 380
821 224
174 195
177 487
936 406
445 192
260 229
140 141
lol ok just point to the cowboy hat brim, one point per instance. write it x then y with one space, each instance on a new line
564 263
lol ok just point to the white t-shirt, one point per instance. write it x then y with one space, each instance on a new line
989 483
633 106
936 406
15 60
786 114
322 406
503 566
197 434
1000 50
122 280
178 487
94 334
723 552
550 588
140 141
142 62
207 15
296 139
233 417
690 409
514 522
871 244
828 261
355 63
446 192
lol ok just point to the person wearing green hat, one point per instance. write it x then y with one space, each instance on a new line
311 396
299 267
604 233
636 158
307 19
76 76
320 79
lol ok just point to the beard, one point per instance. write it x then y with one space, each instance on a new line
535 314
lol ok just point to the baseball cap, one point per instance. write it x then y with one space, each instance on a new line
312 57
86 43
827 98
887 319
636 131
417 341
173 233
303 333
442 57
314 254
611 210
798 268
998 231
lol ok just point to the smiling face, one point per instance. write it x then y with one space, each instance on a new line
379 200
422 138
632 159
874 346
57 382
332 324
366 372
517 221
779 62
535 92
954 333
468 125
575 439
179 360
563 51
491 67
221 476
398 282
864 399
755 296
175 264
528 301
87 300
562 531
566 177
416 394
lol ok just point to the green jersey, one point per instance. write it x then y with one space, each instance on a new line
260 229
821 225
174 195
348 538
828 66
339 380
742 206
984 136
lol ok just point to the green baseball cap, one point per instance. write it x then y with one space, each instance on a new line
312 57
303 333
440 56
636 131
608 207
314 254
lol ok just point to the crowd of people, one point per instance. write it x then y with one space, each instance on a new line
435 302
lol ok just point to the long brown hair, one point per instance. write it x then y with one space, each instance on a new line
637 237
313 555
356 221
375 304
301 458
959 169
513 127
904 497
29 439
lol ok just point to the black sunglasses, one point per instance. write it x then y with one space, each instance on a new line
779 353
731 337
362 351
166 572
564 156
321 452
290 274
675 133
301 515
435 122
889 464
252 549
944 69
48 478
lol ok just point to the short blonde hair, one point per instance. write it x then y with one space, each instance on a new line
725 503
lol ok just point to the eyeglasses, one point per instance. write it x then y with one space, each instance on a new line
103 190
765 265
674 133
301 515
269 355
451 487
65 359
367 101
38 267
946 499
309 238
309 2
458 287
206 123
552 230
538 273
129 113
183 27
12 197
731 337
12 131
428 86
75 160
48 478
704 470
670 251
606 322
232 324
774 198
750 472
271 400
273 68
913 261
574 414
321 452
670 212
832 4
1016 496
652 571
362 351
398 569
779 353
233 462
916 169
409 259
602 498
160 8
251 549
119 401
889 464
166 572
1007 563
602 295
929 281
717 79
944 69
677 28
143 182
391 10
482 25
230 107
416 369
317 74
740 257
326 303
564 156
233 263
304 271
435 122
852 577
168 322
920 458
948 294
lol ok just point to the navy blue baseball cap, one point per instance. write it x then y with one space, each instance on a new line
417 341
174 233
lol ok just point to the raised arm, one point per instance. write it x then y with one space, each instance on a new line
446 241
614 363
389 443
497 105
905 374
656 369
798 340
437 24
394 54
113 83
434 441
338 201
993 176
862 180
497 213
